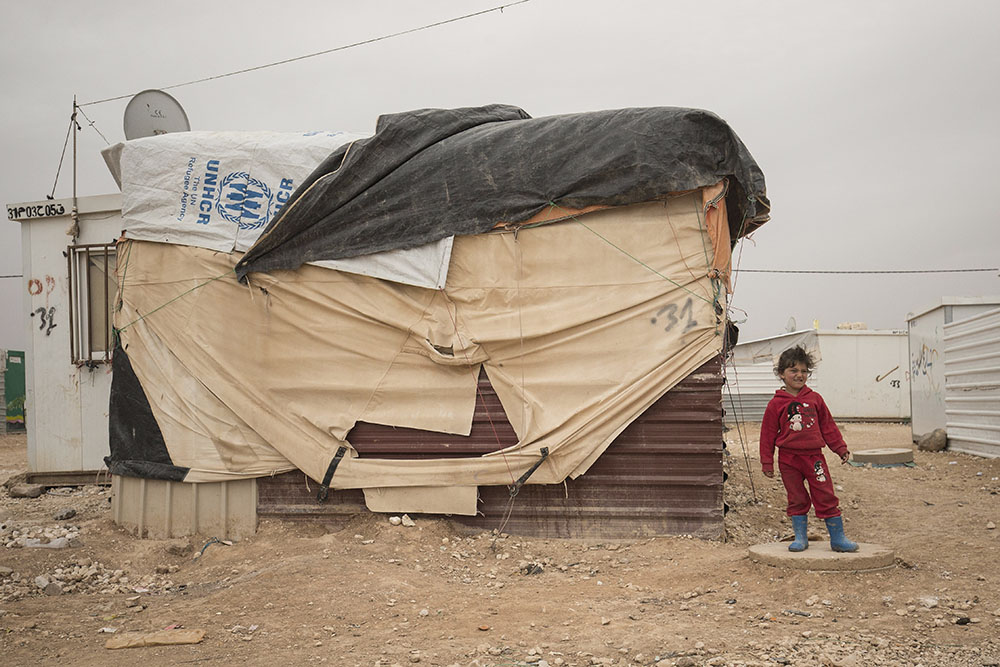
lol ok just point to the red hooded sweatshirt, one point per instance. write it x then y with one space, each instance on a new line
801 423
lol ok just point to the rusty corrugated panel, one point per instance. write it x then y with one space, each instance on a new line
662 475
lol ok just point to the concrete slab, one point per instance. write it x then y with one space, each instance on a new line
819 557
887 455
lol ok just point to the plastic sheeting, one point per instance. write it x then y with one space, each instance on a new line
580 325
218 190
429 174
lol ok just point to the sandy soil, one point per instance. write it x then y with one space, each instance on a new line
438 594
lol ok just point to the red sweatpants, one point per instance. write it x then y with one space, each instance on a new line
798 469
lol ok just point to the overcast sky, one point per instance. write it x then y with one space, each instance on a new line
875 123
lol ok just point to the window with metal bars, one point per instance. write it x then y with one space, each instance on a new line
93 287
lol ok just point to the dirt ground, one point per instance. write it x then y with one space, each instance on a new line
437 594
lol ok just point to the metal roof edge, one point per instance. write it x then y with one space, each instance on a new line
954 301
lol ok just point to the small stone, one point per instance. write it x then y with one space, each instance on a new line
395 520
41 581
65 514
53 589
407 521
424 612
605 621
990 525
935 441
26 490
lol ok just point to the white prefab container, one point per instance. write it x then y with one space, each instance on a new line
925 330
69 279
972 383
861 374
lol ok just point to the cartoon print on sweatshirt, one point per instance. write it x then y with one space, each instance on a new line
796 422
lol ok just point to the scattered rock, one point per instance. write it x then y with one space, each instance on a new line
935 441
407 521
395 520
531 568
58 543
990 525
65 514
53 589
26 490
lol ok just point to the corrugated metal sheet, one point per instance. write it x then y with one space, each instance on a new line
158 509
748 389
662 475
972 384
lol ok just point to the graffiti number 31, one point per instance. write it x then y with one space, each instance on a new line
673 317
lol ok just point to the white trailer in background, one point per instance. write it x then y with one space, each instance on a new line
69 281
972 383
926 332
860 373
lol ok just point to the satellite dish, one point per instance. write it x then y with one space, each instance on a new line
790 327
154 112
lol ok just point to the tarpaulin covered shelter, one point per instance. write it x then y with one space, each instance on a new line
580 262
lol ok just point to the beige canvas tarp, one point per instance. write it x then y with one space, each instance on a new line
580 325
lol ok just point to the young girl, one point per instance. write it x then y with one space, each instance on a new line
798 422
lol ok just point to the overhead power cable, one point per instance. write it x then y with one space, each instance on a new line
876 271
13 275
91 123
499 8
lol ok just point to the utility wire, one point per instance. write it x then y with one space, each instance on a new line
13 275
499 8
867 272
91 123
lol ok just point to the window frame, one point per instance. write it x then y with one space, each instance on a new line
81 315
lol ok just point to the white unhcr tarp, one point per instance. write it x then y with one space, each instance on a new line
219 190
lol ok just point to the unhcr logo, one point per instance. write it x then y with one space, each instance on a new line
245 200
240 198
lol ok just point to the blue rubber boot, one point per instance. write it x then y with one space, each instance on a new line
801 543
838 541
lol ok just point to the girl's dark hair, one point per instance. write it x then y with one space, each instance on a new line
792 356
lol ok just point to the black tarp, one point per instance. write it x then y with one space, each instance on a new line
137 446
432 173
